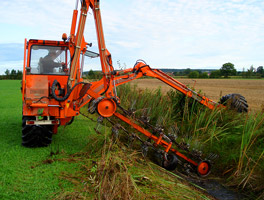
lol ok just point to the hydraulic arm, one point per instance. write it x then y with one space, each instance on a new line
103 93
111 78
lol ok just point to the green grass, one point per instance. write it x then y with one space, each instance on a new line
78 164
23 173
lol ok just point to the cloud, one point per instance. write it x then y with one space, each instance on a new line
168 33
11 57
36 19
13 52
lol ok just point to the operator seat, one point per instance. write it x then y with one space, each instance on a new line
40 64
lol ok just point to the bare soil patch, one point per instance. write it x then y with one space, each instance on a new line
252 90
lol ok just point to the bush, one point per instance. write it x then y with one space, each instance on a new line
193 74
93 74
215 74
203 75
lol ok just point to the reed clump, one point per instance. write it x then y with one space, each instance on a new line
237 138
111 171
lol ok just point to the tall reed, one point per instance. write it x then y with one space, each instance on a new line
238 139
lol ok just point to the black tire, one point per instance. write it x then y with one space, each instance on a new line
235 102
35 135
171 162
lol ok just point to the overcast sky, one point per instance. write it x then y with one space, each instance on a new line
164 33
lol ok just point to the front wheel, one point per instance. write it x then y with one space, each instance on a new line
35 135
235 102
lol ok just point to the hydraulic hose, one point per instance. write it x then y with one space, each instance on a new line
69 91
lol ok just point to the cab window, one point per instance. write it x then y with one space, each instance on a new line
49 60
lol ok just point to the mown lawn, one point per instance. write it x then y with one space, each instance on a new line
25 172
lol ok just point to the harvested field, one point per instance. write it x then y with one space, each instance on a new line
252 90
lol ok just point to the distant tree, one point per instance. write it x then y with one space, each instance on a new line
180 73
13 74
187 71
193 74
215 74
260 71
199 71
91 74
19 74
203 75
175 73
228 69
7 73
250 72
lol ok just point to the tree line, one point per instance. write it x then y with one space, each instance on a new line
13 74
227 70
92 74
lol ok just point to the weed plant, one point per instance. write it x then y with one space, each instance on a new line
116 172
238 139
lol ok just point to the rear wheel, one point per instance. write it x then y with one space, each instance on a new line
35 135
235 102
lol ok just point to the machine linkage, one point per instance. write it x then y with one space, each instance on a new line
158 142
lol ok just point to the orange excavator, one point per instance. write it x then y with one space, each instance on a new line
53 90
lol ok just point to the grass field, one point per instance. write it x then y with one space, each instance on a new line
79 164
23 172
252 90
